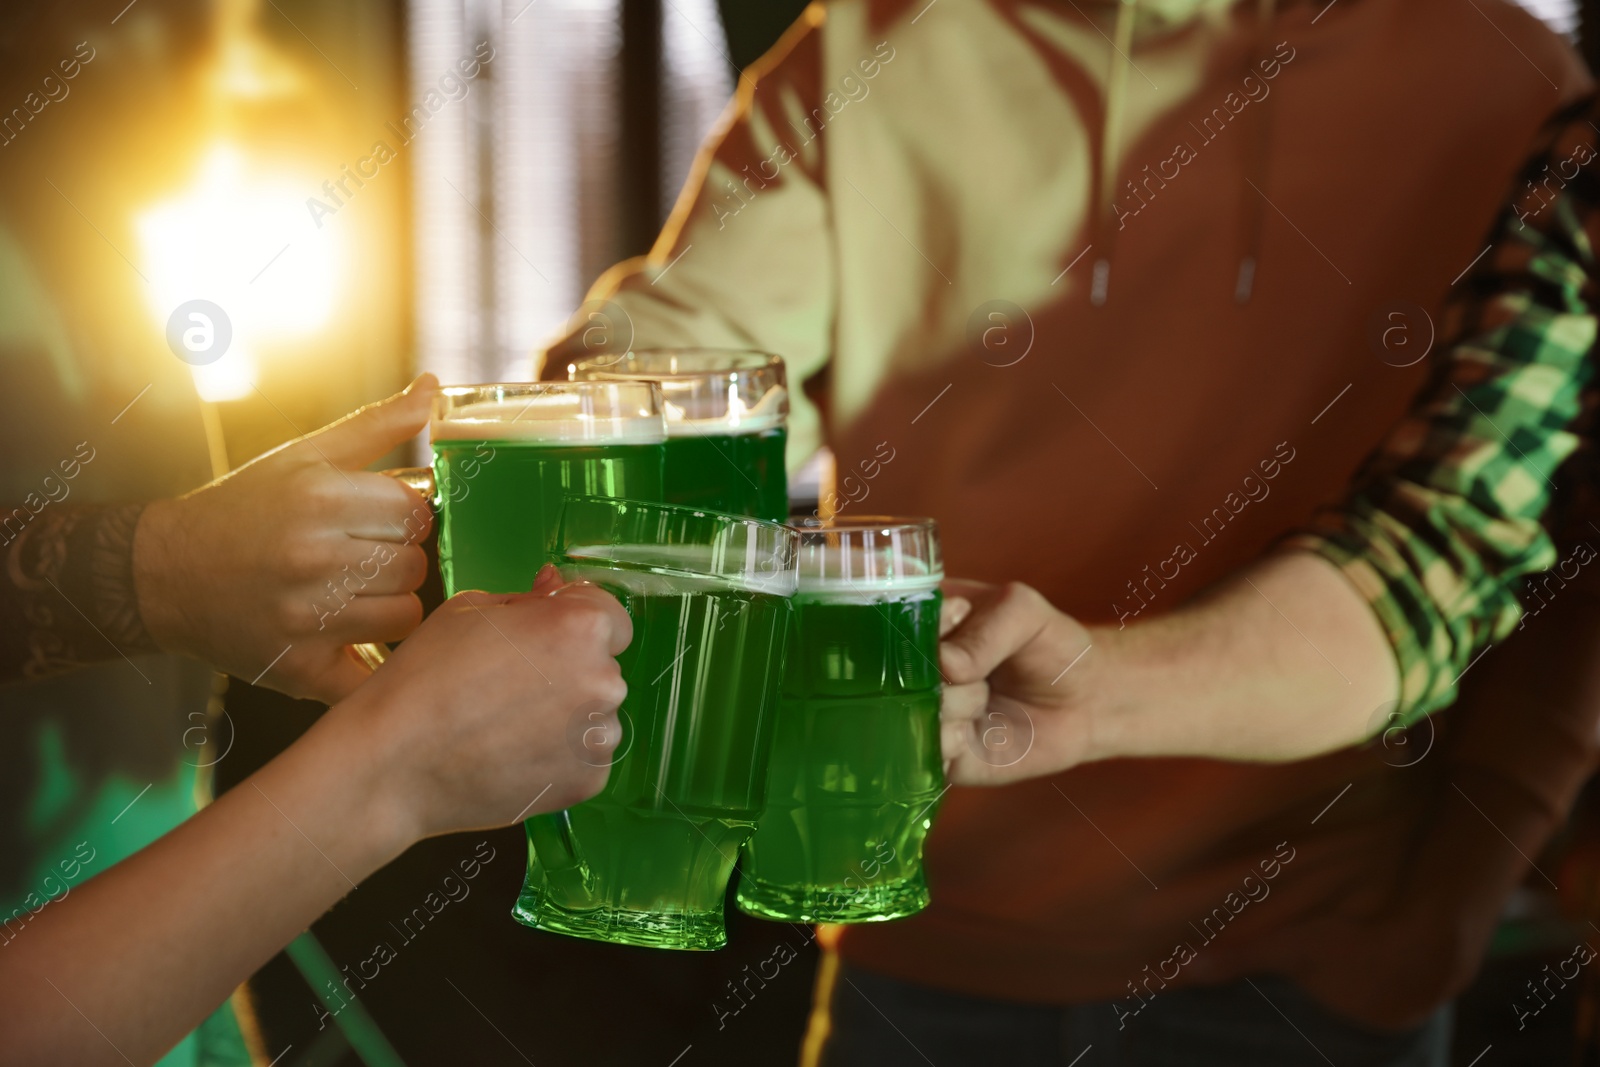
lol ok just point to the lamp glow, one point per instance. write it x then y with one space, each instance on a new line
242 240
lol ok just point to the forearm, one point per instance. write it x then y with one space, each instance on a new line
146 950
67 593
1282 662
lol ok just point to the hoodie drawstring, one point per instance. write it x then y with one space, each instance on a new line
1111 148
1253 204
1254 209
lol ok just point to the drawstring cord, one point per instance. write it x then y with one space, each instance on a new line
1105 236
1252 206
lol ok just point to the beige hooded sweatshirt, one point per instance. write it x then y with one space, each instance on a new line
1103 287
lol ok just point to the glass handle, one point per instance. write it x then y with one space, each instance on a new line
420 479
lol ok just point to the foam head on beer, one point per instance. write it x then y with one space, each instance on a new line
869 556
703 390
619 412
505 457
727 412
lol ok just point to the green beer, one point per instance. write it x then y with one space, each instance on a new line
741 474
726 411
506 456
856 770
648 860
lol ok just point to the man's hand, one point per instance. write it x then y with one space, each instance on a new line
1017 684
273 571
1283 661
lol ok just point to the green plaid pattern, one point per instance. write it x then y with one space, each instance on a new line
1452 510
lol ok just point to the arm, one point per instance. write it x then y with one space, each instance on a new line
66 588
1225 676
746 259
1383 605
417 751
1520 744
300 552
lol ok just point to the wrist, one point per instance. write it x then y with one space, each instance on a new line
349 760
1109 695
156 576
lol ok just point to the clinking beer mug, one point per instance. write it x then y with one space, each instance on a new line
727 412
506 455
648 860
856 770
572 473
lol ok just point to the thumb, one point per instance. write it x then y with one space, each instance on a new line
360 438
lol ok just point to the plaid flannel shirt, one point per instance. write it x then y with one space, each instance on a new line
1454 508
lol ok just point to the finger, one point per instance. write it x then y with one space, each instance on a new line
477 599
375 507
995 631
310 670
965 768
619 629
546 581
952 612
362 437
960 709
336 676
378 568
963 703
968 770
366 619
967 589
953 734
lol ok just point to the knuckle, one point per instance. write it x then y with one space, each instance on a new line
407 613
582 784
610 688
293 616
411 564
316 489
302 557
1018 594
955 658
416 520
583 620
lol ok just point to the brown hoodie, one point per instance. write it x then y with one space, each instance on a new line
1179 372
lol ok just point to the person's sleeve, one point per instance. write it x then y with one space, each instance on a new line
746 259
67 595
1451 510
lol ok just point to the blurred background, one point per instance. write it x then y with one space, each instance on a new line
368 189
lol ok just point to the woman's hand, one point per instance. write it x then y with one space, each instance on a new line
488 713
498 707
273 571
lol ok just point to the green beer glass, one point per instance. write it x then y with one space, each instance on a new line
647 861
726 410
506 456
856 770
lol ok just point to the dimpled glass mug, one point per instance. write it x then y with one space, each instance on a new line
727 413
648 860
856 770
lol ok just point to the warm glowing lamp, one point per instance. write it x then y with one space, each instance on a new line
238 235
242 240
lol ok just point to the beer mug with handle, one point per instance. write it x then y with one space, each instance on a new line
648 860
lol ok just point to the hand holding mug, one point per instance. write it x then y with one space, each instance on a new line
272 571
